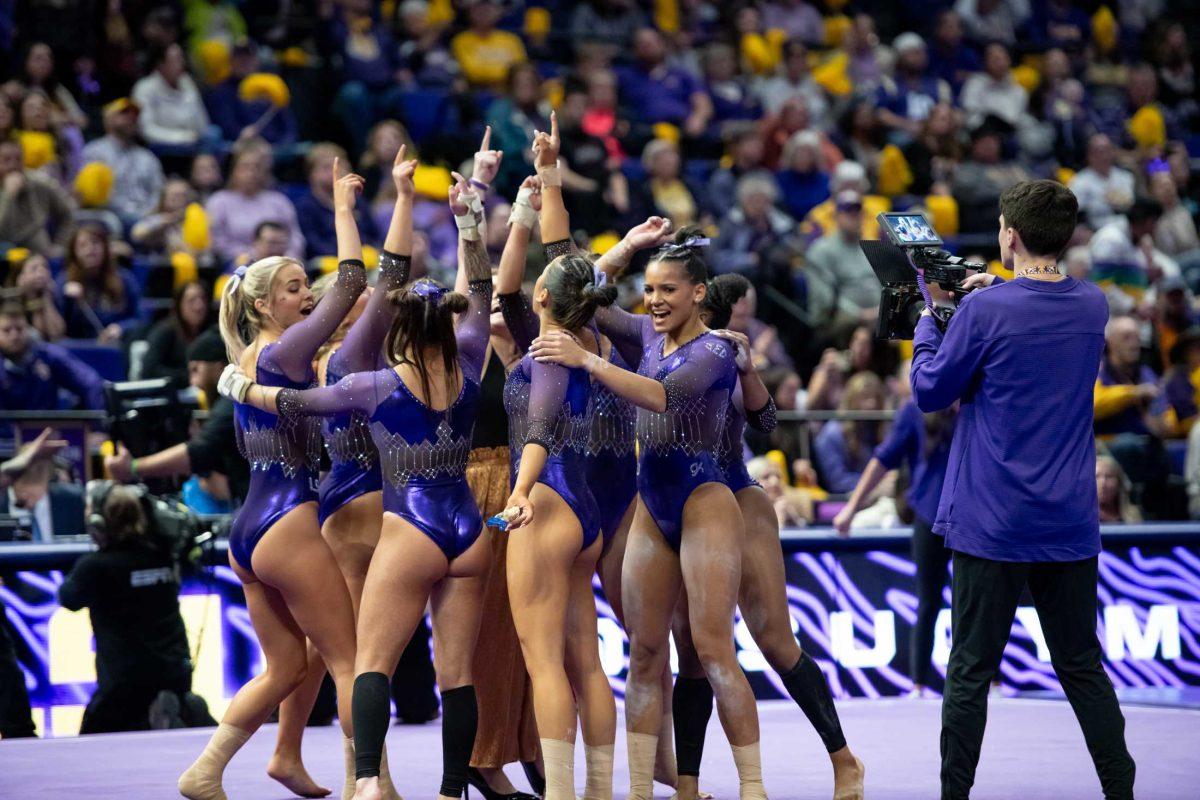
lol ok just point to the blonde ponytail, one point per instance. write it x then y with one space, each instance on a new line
239 318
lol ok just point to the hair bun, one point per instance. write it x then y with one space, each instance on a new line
454 302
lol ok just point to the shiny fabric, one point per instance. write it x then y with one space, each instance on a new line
507 730
611 458
284 462
730 454
354 460
551 405
443 509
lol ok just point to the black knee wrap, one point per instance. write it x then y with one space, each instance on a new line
372 708
460 719
808 687
691 707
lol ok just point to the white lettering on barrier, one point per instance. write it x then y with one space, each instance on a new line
845 651
1122 633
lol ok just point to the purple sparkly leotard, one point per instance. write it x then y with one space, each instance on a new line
550 405
284 454
354 460
422 451
677 447
729 452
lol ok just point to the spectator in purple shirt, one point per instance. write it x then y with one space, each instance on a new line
906 99
32 372
314 209
238 118
844 449
732 101
235 212
949 58
1019 503
353 36
654 91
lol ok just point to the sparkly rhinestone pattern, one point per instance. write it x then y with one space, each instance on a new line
292 444
402 461
565 432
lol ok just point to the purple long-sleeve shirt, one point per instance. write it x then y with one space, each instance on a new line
233 216
1023 357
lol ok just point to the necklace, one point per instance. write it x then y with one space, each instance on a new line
1039 269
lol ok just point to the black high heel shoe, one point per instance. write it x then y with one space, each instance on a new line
476 780
536 781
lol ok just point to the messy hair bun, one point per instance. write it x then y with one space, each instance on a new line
574 291
723 292
425 319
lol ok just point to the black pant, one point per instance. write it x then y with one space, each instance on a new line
16 720
985 596
931 558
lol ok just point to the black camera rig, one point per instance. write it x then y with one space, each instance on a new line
911 245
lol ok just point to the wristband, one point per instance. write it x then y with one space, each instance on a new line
522 214
133 470
468 226
551 176
478 184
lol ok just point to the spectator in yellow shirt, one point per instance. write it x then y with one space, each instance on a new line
484 53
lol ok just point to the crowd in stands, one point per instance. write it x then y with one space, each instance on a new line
148 148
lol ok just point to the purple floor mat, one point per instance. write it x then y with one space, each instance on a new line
1033 751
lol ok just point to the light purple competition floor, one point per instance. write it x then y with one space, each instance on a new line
1033 751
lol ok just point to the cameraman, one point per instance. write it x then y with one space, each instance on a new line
131 588
1019 502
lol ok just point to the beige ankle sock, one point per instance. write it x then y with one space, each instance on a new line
749 768
348 785
202 780
559 760
385 778
599 760
642 747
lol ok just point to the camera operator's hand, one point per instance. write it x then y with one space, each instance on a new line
120 465
234 383
979 280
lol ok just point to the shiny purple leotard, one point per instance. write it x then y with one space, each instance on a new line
568 463
284 454
550 405
354 459
422 451
729 452
677 447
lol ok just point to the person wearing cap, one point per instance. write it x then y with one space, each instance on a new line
212 453
906 98
841 284
137 173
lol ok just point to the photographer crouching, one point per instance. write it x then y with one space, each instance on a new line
1019 503
131 588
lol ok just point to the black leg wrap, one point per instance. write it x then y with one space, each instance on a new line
691 708
808 687
372 709
460 719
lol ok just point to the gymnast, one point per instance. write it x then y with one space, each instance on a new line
687 530
762 595
349 503
292 583
551 561
421 409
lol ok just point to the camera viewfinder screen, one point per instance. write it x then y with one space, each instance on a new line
910 229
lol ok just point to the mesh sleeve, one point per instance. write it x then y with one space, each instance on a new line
547 390
706 364
474 329
520 318
362 391
293 354
560 248
362 348
627 332
764 418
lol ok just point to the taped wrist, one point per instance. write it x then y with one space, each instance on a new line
551 176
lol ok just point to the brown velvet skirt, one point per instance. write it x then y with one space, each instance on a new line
507 730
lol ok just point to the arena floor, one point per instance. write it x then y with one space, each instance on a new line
1033 751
